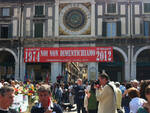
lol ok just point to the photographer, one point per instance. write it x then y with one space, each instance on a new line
45 104
105 95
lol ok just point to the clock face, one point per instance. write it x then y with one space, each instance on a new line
74 19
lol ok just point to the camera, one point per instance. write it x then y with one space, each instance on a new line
97 82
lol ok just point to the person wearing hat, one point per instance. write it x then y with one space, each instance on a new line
45 104
119 98
106 96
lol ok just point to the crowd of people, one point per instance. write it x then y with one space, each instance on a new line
99 96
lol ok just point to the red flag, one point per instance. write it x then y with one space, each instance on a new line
49 103
47 77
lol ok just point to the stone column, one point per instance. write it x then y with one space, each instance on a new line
93 18
55 71
56 17
17 67
133 65
92 71
22 65
127 71
23 70
133 70
129 61
127 66
16 71
21 54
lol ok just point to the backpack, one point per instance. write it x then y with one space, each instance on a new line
118 110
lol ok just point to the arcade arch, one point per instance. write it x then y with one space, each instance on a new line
10 51
8 60
142 59
115 69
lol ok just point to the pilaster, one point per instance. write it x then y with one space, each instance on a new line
93 18
22 66
133 65
127 69
55 71
92 71
17 67
56 18
16 71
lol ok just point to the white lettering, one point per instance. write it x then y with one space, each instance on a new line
53 52
30 56
90 52
38 57
77 53
109 56
34 56
101 55
105 55
67 53
26 57
44 52
83 52
62 53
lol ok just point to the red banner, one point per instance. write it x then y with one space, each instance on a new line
69 54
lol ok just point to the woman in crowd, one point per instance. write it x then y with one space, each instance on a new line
136 102
92 101
146 106
126 99
144 84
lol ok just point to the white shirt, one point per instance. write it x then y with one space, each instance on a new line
136 103
70 88
1 85
88 87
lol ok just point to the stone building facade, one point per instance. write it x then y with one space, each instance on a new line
121 24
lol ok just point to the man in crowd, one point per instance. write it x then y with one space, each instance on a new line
6 99
105 94
45 104
79 96
118 97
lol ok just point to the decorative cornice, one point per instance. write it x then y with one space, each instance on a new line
74 1
61 39
24 1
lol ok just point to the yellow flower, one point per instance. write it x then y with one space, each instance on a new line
29 94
